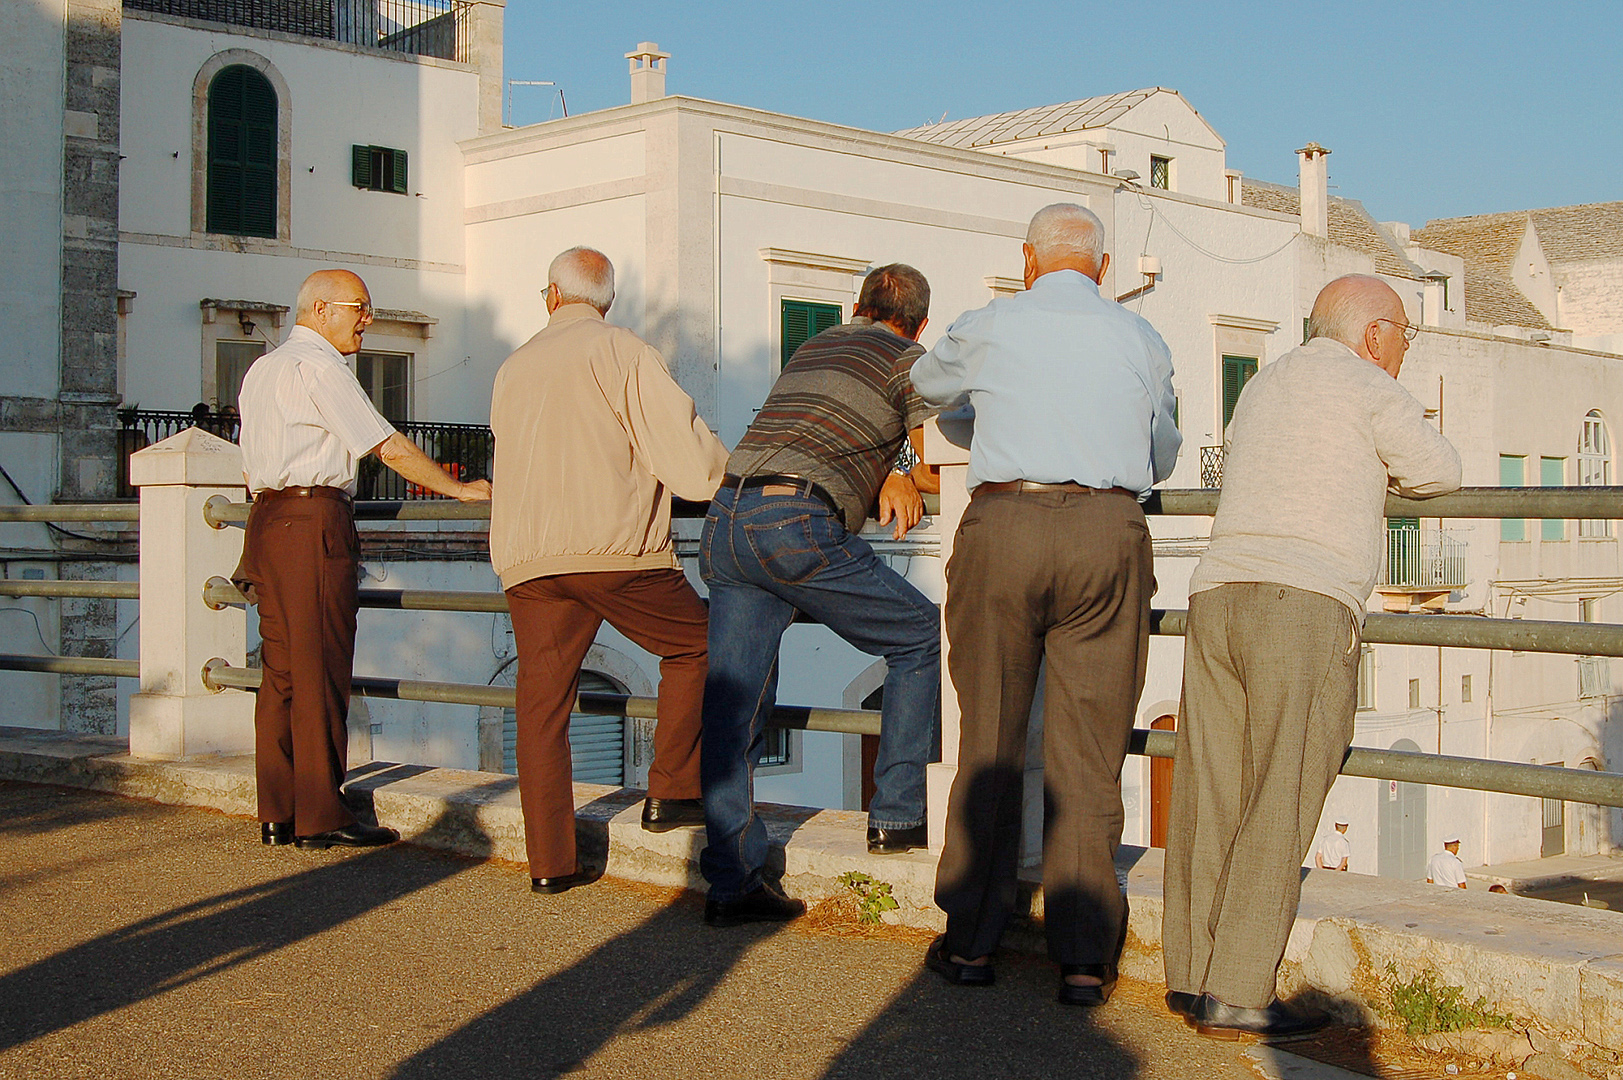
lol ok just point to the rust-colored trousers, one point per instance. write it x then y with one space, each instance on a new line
299 558
554 622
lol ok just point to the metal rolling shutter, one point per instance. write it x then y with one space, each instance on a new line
596 743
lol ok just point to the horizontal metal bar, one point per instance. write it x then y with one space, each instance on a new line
1474 502
96 590
1462 632
72 512
1443 770
847 721
71 665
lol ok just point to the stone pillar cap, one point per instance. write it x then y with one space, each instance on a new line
192 458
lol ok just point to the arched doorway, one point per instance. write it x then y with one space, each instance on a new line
597 744
1161 786
1401 817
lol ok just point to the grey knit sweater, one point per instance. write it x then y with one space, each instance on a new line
1317 439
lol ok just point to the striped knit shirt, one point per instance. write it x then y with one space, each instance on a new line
306 422
838 415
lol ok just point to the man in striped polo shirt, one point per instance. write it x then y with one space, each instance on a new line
781 536
306 423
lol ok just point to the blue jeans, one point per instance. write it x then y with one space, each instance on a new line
764 556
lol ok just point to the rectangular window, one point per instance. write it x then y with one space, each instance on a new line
1414 693
386 378
1552 472
1594 468
776 748
1512 473
1465 688
1160 172
1237 371
232 359
803 320
1366 677
378 168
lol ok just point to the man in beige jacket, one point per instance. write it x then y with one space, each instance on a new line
593 436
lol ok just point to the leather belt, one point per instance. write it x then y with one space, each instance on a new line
1032 487
793 485
272 494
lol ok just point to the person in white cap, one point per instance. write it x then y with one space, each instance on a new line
1334 849
1445 868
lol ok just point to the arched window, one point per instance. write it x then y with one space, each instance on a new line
242 142
1594 468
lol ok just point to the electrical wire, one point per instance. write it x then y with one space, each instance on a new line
1146 203
39 632
51 525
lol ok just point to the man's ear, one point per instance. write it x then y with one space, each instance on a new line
1104 264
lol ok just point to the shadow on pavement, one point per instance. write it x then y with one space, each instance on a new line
188 943
655 975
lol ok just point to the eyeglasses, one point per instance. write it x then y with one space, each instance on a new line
362 307
1408 331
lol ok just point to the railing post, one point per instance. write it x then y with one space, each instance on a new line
174 714
946 445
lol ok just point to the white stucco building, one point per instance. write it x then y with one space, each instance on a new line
380 149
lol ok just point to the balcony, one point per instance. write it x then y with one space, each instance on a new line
1211 466
436 28
1421 568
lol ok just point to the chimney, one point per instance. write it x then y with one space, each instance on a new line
647 72
1315 189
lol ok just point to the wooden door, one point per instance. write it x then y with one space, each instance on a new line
1161 787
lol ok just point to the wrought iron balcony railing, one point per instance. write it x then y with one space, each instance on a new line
435 28
1424 560
1211 466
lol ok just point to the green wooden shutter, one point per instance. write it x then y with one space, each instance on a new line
1512 473
1552 472
1237 371
242 136
803 320
397 182
360 166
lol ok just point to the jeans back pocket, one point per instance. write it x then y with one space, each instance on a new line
788 551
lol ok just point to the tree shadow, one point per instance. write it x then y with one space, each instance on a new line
655 975
194 941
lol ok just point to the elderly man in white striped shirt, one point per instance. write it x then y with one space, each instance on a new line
306 423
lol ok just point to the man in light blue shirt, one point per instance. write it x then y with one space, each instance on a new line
1073 409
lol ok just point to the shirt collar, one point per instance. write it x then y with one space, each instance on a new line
322 345
1065 279
571 311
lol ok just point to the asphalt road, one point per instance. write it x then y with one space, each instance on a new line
139 940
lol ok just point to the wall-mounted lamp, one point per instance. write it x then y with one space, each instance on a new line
245 323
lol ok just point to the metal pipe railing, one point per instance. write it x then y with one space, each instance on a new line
71 665
94 590
73 512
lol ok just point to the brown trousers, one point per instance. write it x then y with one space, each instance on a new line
554 622
1270 687
299 559
1066 576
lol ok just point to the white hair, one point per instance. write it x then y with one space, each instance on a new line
1344 308
1066 230
583 275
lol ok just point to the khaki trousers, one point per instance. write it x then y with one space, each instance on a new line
1066 576
299 558
1270 685
554 622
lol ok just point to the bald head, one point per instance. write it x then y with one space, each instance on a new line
1065 236
1365 314
336 305
581 275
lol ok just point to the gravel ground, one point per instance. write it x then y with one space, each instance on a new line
142 941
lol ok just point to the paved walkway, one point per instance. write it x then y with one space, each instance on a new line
142 940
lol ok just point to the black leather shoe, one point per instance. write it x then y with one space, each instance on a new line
1072 994
354 834
1221 1020
766 903
895 841
276 832
938 960
1181 1003
663 815
565 882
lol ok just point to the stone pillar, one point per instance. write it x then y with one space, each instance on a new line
482 47
946 444
174 714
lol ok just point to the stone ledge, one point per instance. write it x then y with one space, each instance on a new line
1558 965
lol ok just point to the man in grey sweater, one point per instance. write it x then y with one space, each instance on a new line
1276 611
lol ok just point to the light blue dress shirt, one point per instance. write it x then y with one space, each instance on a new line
1066 386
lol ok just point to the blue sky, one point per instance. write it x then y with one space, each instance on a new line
1433 109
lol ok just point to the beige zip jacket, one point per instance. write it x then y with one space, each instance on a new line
593 436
